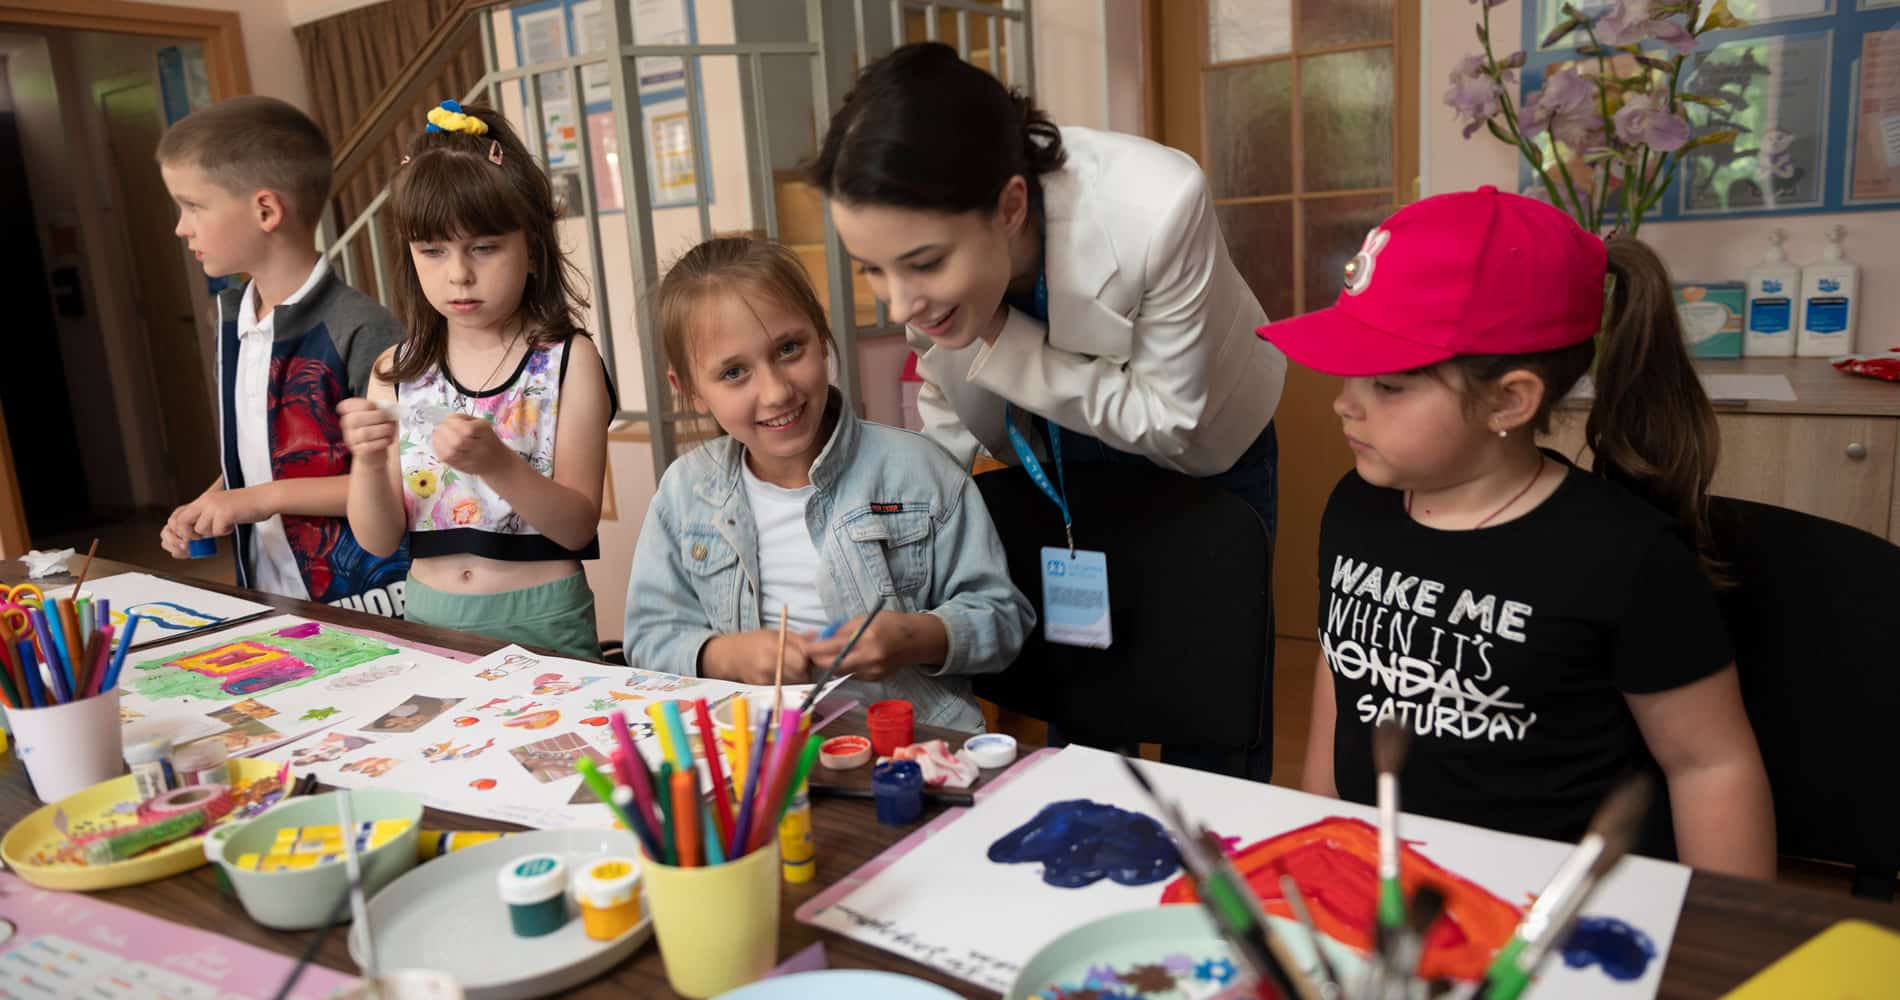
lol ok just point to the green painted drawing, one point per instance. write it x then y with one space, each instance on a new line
256 664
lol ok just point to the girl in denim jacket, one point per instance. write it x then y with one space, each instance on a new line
805 508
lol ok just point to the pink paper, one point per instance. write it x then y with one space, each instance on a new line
72 945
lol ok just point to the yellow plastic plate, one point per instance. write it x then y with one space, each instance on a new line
39 848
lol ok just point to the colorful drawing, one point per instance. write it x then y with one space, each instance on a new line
1079 843
510 664
1175 976
553 758
369 675
1335 863
447 750
243 730
534 720
166 616
253 664
418 711
371 767
656 682
332 747
253 708
318 714
554 684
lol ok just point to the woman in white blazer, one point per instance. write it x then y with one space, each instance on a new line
1078 275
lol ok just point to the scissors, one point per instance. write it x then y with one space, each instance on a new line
21 593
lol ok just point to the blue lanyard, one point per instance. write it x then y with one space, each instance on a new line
1057 491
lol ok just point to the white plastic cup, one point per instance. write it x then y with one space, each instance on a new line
69 748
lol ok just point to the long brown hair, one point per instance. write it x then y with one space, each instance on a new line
729 264
450 187
1651 428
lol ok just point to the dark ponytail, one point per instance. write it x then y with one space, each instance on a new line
924 129
1652 427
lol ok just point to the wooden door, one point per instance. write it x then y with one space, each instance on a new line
1304 113
178 358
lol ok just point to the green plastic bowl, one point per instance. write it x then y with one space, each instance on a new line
301 900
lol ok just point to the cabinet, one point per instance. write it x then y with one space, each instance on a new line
1833 452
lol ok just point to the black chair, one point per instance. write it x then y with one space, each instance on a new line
1815 617
1191 664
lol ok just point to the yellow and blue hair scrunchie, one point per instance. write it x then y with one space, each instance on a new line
449 117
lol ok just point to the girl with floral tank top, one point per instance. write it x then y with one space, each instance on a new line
483 437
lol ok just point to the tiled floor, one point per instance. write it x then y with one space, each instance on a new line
135 540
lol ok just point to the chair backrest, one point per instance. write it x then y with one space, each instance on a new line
1815 617
1188 569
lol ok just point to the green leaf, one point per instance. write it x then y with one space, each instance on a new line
1499 133
1717 138
1563 29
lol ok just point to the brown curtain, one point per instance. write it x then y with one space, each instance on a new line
348 60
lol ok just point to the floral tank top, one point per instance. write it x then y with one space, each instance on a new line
451 512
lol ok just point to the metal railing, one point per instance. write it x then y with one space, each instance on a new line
1008 24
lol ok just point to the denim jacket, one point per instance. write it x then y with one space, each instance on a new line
891 515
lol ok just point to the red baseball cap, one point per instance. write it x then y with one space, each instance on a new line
1476 272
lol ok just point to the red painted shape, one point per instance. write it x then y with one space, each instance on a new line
1335 864
482 784
598 720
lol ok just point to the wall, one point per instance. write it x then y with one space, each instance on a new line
1072 61
56 188
269 47
1713 249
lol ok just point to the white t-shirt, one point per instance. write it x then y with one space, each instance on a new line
788 561
273 566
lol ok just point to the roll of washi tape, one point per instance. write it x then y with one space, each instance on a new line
214 800
991 750
842 753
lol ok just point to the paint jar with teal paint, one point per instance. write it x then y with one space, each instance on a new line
535 888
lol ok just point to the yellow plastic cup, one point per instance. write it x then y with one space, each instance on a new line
717 925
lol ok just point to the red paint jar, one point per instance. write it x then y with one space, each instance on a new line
893 725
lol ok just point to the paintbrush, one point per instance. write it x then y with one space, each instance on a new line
359 907
85 568
1427 904
824 676
1231 903
1329 987
1612 831
1389 742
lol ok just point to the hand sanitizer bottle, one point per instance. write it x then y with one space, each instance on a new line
1769 328
1830 298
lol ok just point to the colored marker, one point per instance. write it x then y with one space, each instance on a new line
31 663
799 776
741 834
741 744
617 724
667 841
604 790
714 855
667 747
642 790
722 795
118 658
773 788
685 785
676 731
101 657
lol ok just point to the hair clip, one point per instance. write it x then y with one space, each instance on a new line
449 117
405 160
494 152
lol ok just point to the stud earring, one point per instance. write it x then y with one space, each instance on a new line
1503 433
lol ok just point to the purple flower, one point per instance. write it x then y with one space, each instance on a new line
1641 122
1476 101
1567 107
1630 22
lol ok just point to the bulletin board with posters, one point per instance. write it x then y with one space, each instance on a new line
1814 87
558 29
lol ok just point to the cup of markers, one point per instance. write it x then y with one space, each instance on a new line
710 865
59 671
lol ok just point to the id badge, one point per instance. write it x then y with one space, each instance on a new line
1075 597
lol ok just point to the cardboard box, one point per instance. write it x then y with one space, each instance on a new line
1711 313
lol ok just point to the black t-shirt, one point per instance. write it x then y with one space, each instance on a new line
1507 650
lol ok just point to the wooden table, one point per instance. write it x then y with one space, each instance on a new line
1730 928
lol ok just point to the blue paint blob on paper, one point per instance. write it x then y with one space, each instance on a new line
1079 843
1623 951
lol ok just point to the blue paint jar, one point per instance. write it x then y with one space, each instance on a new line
199 548
899 788
535 889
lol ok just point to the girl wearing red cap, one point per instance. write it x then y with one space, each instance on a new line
1541 631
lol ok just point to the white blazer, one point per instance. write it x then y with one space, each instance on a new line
1150 343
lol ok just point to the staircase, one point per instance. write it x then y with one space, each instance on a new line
619 247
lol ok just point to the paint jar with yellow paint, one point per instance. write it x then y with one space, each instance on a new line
609 893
